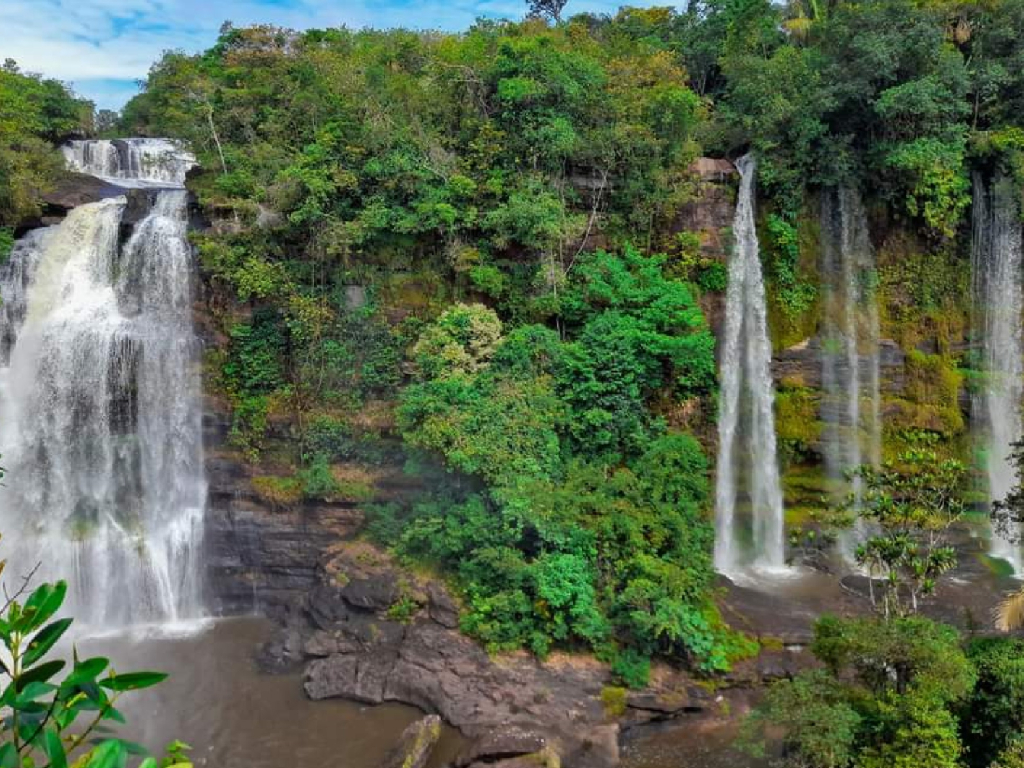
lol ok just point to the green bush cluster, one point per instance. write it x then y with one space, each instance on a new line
888 695
900 693
581 522
35 113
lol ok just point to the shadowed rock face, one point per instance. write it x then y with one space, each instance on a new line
74 189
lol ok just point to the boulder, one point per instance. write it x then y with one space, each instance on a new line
502 742
415 745
371 594
74 189
441 607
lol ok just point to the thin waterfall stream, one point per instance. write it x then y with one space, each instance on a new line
747 470
851 408
998 287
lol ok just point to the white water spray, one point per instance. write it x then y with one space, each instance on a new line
998 302
851 408
100 418
747 460
140 162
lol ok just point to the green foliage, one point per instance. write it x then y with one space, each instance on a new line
819 724
888 695
631 669
35 112
460 343
911 505
993 717
507 407
602 558
52 720
317 480
793 294
713 277
6 243
938 190
483 154
255 363
882 91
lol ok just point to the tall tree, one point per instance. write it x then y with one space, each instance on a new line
551 9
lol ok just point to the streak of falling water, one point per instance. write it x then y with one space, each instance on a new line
850 355
100 413
139 162
747 459
998 302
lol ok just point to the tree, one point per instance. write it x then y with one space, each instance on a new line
107 121
992 718
547 8
888 695
910 505
34 114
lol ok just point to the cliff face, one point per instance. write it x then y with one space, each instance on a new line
264 541
260 555
924 354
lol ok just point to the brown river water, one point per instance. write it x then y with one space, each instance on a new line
236 716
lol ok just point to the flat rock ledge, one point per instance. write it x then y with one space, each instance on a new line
373 633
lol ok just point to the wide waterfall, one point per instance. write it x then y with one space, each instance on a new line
747 461
998 302
142 162
100 418
850 362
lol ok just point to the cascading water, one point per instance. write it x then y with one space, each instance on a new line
998 303
100 419
747 460
147 162
850 360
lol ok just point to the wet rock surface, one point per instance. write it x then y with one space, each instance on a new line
74 189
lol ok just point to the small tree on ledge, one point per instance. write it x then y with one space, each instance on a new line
909 507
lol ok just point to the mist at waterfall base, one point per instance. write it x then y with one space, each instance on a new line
996 263
747 468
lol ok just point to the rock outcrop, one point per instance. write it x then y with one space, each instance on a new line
74 189
415 745
260 558
372 633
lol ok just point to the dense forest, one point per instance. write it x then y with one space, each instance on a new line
461 255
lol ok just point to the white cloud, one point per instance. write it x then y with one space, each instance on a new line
103 46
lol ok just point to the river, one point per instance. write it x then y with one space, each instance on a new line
235 716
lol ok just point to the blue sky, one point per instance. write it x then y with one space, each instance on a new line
103 46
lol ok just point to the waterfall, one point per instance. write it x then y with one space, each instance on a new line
100 417
998 302
746 404
850 361
153 161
